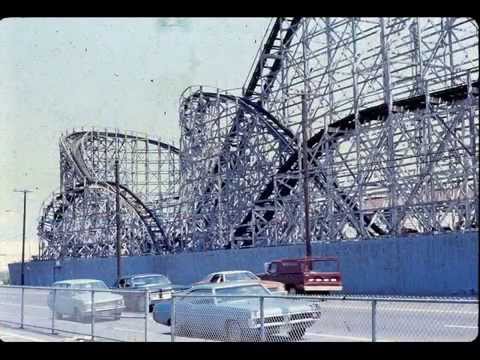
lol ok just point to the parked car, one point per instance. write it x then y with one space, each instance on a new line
236 319
309 274
159 286
275 287
73 301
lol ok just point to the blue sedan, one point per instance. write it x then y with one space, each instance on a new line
204 311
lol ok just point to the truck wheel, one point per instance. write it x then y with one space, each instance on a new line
233 331
297 332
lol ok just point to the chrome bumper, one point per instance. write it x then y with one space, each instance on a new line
323 288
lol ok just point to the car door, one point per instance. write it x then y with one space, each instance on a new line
204 309
62 299
194 314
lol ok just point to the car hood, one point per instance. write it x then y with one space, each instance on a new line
272 307
272 284
99 296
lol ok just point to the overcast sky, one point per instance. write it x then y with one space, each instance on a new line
57 74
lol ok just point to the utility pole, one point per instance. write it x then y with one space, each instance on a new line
117 217
308 246
23 236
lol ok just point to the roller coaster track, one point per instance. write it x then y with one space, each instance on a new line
280 132
72 146
341 127
240 155
287 138
274 42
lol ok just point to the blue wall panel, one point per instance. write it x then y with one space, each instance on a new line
441 264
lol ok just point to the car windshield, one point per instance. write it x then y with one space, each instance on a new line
241 276
151 280
240 290
90 285
324 266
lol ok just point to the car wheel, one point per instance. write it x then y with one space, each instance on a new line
141 304
233 331
77 315
180 330
292 291
297 332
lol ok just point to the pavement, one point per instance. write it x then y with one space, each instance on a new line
10 333
340 321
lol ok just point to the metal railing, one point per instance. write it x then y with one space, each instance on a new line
252 318
85 312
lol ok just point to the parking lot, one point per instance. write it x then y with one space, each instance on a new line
341 320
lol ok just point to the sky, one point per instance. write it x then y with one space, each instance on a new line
128 73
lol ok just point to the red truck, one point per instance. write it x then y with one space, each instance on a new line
305 275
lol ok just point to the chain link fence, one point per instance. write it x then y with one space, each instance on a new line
95 314
123 315
321 318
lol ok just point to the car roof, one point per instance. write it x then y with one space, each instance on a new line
230 272
223 285
141 275
77 281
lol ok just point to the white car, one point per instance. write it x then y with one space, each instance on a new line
275 287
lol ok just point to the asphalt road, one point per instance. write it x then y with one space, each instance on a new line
340 321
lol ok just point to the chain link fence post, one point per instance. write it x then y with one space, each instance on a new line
172 319
22 307
147 310
374 320
262 320
92 326
54 310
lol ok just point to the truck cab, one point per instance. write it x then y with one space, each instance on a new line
306 275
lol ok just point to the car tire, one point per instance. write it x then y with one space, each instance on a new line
180 330
77 315
292 291
58 316
297 332
233 331
140 304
